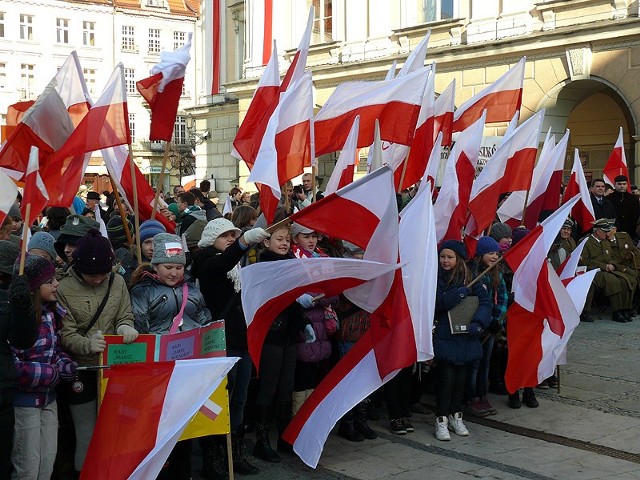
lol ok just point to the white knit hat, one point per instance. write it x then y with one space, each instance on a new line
214 229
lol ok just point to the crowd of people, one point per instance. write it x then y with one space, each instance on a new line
79 286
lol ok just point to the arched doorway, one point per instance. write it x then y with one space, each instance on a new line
593 110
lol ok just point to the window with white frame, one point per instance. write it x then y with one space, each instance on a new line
130 80
26 27
180 131
89 33
3 75
178 39
322 21
154 40
128 38
27 80
132 126
62 30
90 79
435 10
1 24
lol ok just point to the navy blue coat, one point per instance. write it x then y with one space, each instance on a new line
460 348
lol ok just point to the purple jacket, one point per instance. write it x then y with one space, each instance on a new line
321 348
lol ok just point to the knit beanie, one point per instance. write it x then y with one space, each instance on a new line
486 245
115 230
9 251
150 228
43 241
173 208
214 229
455 245
93 254
14 211
500 230
518 234
167 248
74 228
37 269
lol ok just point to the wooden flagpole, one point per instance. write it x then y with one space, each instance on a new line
123 213
25 227
136 212
524 208
480 275
404 170
314 172
165 157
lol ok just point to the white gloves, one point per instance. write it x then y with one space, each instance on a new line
255 235
98 343
305 300
129 333
309 334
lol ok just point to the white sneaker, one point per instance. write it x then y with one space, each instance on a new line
442 432
457 425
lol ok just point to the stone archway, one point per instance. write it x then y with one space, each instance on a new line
593 110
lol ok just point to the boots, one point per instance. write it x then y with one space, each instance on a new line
240 463
514 400
360 421
298 400
283 417
529 398
347 428
214 465
263 448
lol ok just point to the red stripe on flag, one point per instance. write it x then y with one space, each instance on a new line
267 40
295 143
215 58
524 344
501 107
347 176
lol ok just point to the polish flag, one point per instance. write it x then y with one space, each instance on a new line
8 194
106 125
545 186
14 115
567 271
583 212
249 138
287 145
35 193
375 156
416 58
543 316
443 108
391 73
617 163
450 209
395 103
261 14
342 174
145 409
433 165
509 169
501 100
163 89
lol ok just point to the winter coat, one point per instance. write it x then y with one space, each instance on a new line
463 347
194 213
41 366
81 301
210 267
155 305
320 349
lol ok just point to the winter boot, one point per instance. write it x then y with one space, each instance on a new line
263 448
240 462
514 400
298 400
529 398
283 417
214 465
360 421
442 429
347 429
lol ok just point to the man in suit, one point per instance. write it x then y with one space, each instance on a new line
626 206
602 206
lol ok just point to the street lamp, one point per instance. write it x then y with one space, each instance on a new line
195 137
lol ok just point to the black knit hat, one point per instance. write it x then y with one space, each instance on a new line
93 254
9 251
115 231
37 269
455 245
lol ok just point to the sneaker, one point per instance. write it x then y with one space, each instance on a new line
529 399
442 429
544 385
407 425
491 410
552 381
396 426
476 408
457 425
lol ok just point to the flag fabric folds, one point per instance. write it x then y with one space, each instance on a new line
617 163
35 193
162 90
582 212
8 194
145 408
342 174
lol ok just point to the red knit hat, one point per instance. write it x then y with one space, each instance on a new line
93 254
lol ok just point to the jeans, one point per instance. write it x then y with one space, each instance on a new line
450 388
35 442
238 384
478 384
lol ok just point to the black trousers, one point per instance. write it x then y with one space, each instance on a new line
6 438
397 392
450 388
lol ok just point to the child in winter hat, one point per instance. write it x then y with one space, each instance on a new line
42 243
214 229
148 230
71 232
38 270
93 254
116 231
167 248
486 245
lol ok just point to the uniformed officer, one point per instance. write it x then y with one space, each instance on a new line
626 258
597 253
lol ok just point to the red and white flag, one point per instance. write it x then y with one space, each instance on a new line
543 316
35 193
582 212
443 113
617 163
162 90
450 209
287 144
249 138
501 100
342 174
145 409
395 103
509 169
433 165
8 195
416 58
567 270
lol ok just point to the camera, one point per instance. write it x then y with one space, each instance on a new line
297 189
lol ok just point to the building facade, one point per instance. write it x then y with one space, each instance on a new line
583 63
